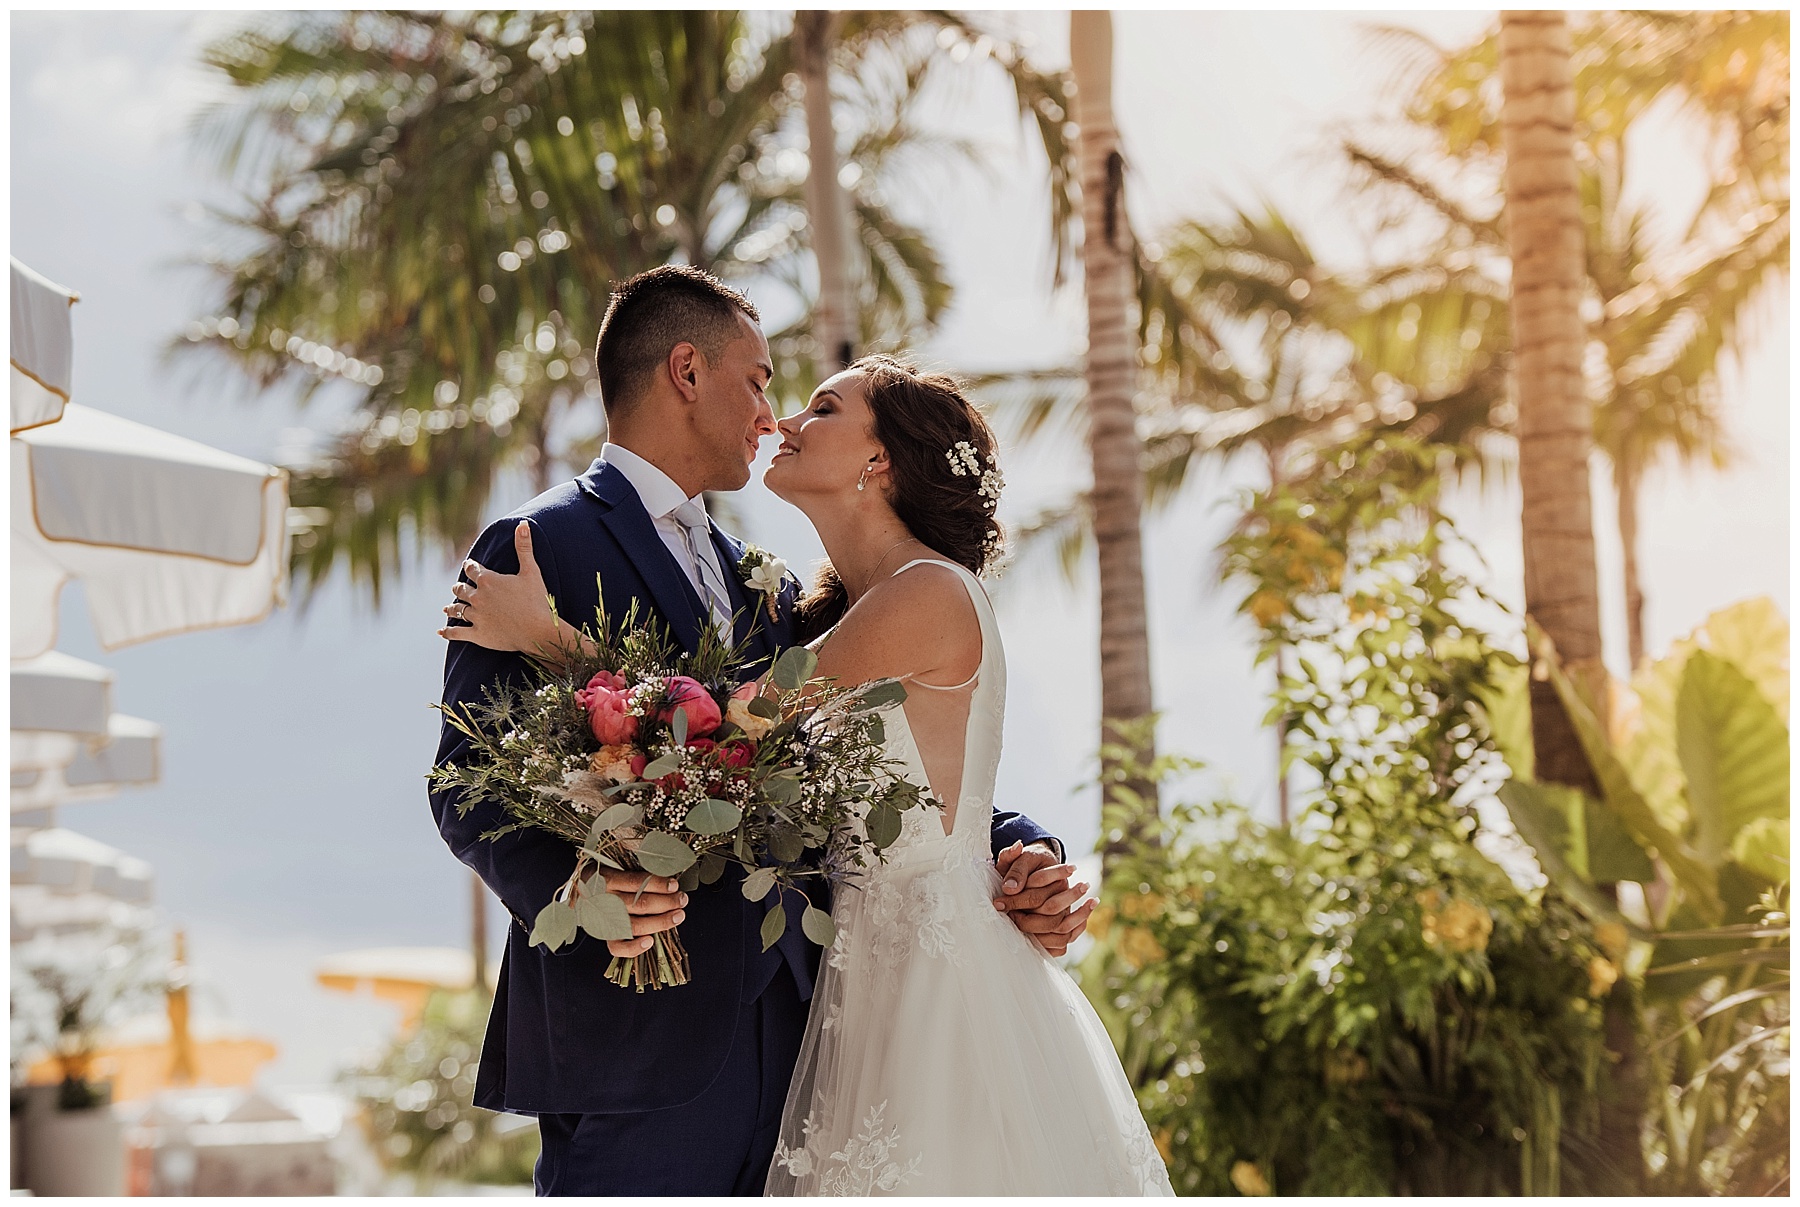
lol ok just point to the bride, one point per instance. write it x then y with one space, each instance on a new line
945 1053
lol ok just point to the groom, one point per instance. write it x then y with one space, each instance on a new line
678 1090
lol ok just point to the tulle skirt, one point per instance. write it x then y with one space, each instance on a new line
947 1055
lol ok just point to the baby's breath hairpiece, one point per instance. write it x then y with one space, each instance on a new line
965 462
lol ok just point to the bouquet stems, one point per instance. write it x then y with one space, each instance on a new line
666 963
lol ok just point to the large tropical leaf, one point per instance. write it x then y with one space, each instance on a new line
1753 637
1552 819
1697 879
1734 751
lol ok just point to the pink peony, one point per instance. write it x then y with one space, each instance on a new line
747 691
702 710
606 708
737 754
607 679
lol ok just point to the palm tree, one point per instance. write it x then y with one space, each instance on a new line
1544 234
1667 316
852 41
1111 372
440 202
815 31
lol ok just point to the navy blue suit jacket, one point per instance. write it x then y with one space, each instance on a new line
561 1038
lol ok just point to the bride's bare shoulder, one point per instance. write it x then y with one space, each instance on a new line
916 621
926 607
929 592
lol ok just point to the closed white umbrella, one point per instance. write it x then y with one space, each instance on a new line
43 348
167 534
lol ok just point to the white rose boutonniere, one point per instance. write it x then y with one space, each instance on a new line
763 571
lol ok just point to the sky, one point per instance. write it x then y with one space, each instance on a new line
291 821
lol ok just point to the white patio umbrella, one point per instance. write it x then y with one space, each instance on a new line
43 348
67 743
166 534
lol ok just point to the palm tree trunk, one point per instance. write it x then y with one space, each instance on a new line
1283 802
478 931
1543 220
1549 274
833 326
1629 474
1125 694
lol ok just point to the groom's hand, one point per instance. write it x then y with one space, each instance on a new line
1035 891
655 903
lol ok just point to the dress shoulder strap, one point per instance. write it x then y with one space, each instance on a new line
978 597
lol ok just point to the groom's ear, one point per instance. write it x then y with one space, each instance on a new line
684 370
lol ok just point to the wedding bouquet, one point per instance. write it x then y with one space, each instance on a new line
651 760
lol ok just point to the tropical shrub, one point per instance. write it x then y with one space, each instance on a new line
1686 851
417 1109
1363 1002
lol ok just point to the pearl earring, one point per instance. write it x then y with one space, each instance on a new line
863 481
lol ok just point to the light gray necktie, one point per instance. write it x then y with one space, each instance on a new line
694 527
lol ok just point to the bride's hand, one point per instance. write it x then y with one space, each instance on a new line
504 611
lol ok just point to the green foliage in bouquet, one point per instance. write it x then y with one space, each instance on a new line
647 758
1365 1002
1692 762
416 1101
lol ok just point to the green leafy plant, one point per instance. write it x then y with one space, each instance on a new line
67 991
417 1109
1686 854
1363 1002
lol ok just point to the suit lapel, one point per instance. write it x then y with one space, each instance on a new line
624 516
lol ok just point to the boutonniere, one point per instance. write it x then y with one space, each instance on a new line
763 571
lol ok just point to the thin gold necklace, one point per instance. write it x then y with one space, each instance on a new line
874 576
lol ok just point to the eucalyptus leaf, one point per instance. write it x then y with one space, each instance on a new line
785 844
794 667
711 817
782 788
554 926
880 695
712 866
666 764
663 854
818 926
765 708
616 817
602 915
883 826
678 726
758 883
689 880
774 924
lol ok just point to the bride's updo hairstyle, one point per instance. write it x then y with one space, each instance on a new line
943 479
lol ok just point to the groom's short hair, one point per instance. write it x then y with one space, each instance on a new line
652 312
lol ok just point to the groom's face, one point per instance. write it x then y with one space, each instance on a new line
733 414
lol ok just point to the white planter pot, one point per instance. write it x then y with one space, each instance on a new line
75 1152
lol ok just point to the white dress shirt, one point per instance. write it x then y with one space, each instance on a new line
661 497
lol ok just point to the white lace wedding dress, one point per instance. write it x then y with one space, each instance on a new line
945 1053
